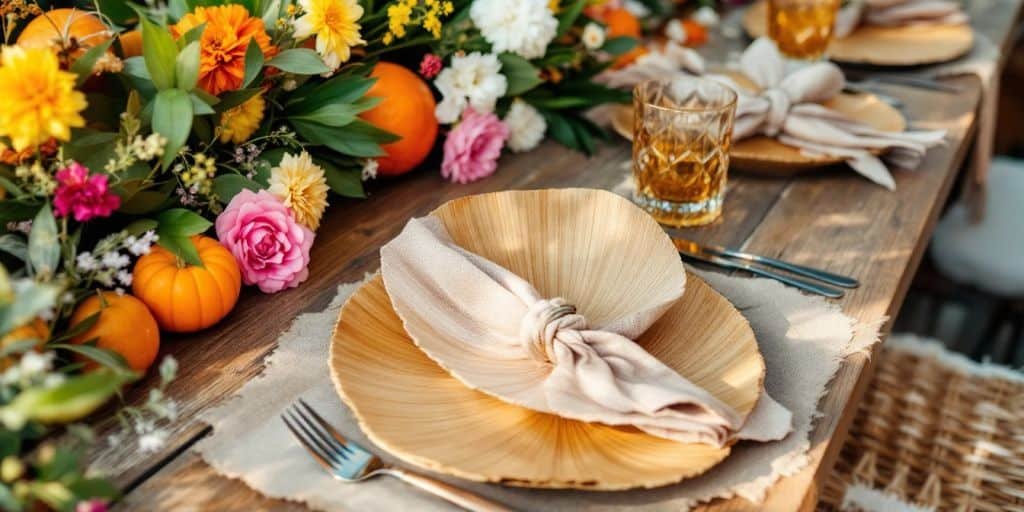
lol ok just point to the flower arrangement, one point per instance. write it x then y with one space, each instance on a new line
132 134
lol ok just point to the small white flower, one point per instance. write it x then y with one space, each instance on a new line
675 31
168 369
119 291
706 16
115 439
370 166
67 298
526 126
34 363
289 84
593 36
523 27
471 80
86 261
10 376
637 8
53 380
124 277
115 260
152 440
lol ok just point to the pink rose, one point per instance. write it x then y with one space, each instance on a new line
84 196
472 148
270 247
430 66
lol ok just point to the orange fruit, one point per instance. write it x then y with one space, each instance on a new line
33 330
131 43
65 29
124 326
407 111
187 298
696 34
622 23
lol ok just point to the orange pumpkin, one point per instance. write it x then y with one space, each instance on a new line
34 330
188 298
407 110
69 30
124 326
131 43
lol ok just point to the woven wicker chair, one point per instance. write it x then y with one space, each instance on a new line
935 431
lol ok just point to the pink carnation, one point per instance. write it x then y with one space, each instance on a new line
271 248
430 66
472 148
85 196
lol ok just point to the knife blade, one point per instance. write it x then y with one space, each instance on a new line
810 272
801 284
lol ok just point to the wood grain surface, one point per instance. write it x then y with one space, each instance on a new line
832 219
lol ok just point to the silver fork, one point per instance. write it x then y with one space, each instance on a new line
349 462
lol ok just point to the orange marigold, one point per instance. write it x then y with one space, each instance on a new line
229 28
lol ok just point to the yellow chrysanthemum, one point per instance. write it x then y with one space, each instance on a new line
301 185
37 99
237 124
333 22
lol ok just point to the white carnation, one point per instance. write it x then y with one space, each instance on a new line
524 27
525 125
706 16
675 31
593 36
471 80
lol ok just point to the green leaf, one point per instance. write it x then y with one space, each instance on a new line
200 107
55 494
172 118
160 52
522 76
101 356
90 148
7 499
84 325
339 89
183 248
338 114
145 201
560 130
118 11
253 62
140 226
300 61
358 139
344 182
233 99
66 402
569 15
181 222
13 210
560 102
32 298
43 245
620 45
187 67
13 244
193 35
11 187
94 488
226 186
84 65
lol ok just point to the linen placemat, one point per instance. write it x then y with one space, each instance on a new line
803 340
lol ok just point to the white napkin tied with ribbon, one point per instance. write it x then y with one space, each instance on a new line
788 107
895 13
479 311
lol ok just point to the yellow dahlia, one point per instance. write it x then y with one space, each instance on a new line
237 124
333 22
37 99
301 185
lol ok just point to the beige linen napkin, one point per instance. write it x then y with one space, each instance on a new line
803 340
788 107
895 13
666 61
494 332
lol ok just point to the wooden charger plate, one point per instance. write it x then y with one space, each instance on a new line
884 46
767 156
604 254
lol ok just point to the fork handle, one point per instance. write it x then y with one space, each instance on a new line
460 497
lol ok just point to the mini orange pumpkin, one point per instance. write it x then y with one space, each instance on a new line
188 298
125 326
33 330
131 43
71 31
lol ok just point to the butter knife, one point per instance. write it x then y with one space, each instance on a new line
813 273
801 284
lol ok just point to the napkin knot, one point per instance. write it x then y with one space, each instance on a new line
546 321
778 108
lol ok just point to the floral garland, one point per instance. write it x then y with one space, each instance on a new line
132 135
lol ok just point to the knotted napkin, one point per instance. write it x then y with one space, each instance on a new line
894 13
788 107
661 62
494 332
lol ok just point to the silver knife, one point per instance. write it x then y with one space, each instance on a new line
931 84
808 286
813 273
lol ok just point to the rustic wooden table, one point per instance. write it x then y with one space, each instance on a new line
832 219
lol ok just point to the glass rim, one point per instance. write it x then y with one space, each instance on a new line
731 103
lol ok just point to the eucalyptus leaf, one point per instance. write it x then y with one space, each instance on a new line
43 245
253 62
30 299
187 67
200 107
14 245
172 118
300 61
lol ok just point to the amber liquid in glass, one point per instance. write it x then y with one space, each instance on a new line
681 170
802 28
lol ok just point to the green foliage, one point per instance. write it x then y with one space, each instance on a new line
226 186
43 245
160 53
300 61
68 401
172 118
84 65
620 45
521 75
175 226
